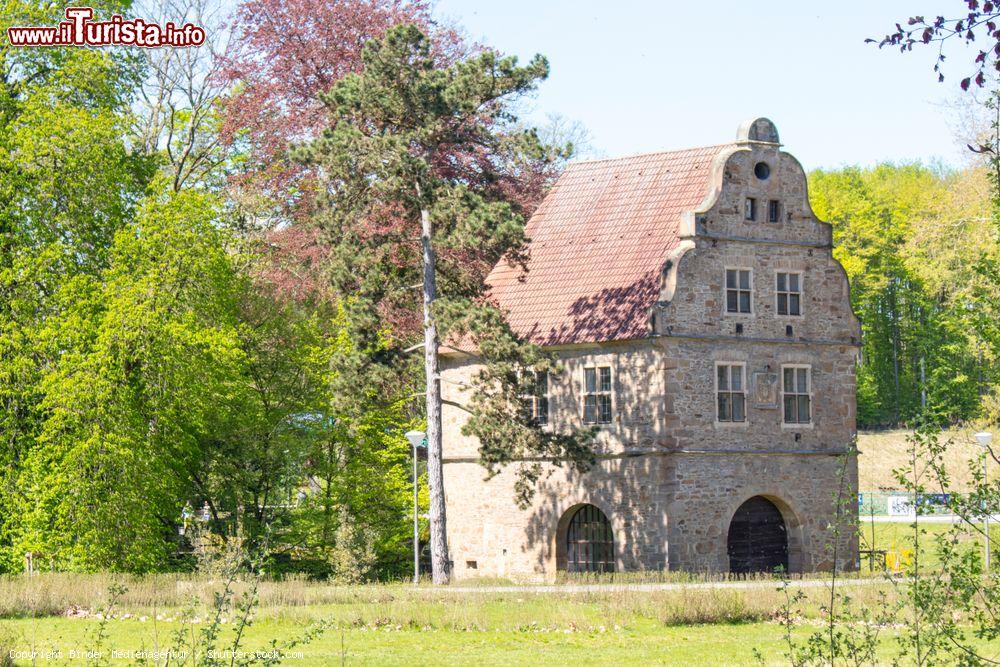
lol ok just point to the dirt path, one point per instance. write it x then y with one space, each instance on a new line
610 588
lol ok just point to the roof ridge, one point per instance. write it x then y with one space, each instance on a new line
621 158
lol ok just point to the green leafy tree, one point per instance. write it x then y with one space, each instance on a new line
150 349
147 363
178 380
909 238
353 518
68 183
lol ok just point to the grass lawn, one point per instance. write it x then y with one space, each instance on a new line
897 537
643 641
881 452
398 624
59 617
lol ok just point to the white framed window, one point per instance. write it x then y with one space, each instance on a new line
597 395
788 292
730 392
739 291
796 393
535 400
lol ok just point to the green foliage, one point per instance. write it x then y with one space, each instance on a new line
68 183
910 239
178 379
944 609
144 366
352 518
390 126
144 369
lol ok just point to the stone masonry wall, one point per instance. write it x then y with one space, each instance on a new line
638 401
668 490
709 488
485 526
489 536
796 466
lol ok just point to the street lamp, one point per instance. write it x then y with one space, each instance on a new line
984 438
417 440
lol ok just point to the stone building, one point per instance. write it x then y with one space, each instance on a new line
704 327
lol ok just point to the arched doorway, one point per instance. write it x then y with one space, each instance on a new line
758 538
590 545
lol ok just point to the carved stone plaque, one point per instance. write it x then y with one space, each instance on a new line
765 390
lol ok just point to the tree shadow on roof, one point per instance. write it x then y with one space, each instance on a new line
613 313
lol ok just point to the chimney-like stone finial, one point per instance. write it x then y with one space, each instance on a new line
757 130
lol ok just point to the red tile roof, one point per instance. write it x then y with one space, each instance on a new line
598 244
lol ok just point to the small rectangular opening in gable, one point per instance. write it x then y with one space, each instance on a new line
774 211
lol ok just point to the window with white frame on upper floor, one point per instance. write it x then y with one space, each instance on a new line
738 291
730 392
597 395
796 391
535 400
789 293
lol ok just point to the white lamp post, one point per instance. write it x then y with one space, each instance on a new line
417 440
984 438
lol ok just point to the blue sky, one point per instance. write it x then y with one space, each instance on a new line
644 75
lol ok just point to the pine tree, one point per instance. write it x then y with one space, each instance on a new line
419 151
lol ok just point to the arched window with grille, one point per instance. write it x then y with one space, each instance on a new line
590 545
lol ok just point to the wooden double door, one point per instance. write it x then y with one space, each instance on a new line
758 538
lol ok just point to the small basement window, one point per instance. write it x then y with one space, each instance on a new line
597 395
750 209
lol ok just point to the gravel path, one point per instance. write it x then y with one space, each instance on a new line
610 588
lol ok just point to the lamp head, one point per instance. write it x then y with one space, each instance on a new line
416 438
984 438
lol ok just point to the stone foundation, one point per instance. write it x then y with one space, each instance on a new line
667 511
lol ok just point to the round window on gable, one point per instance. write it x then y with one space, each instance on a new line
761 170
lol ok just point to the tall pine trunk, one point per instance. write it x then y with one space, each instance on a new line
440 560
